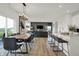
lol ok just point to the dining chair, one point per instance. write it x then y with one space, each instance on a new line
17 40
3 36
10 45
30 41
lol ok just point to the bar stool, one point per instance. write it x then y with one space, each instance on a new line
54 42
59 40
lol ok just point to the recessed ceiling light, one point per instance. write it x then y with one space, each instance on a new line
60 6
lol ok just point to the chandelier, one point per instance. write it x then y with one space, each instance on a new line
23 16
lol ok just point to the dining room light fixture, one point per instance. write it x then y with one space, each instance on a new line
24 4
23 16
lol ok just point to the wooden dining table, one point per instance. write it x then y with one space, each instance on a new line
24 38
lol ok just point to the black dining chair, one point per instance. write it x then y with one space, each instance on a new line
10 45
18 41
3 36
30 40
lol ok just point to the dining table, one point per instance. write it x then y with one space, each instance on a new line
23 38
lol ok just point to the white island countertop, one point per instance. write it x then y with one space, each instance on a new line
64 37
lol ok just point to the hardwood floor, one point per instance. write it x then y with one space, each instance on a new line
42 48
39 47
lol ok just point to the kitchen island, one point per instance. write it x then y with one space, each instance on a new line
73 43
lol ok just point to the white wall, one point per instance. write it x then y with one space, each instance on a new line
6 11
75 20
63 23
74 45
74 39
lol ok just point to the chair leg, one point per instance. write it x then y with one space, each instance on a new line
53 44
26 47
68 49
30 46
15 52
62 47
20 49
10 52
23 44
7 53
58 50
29 50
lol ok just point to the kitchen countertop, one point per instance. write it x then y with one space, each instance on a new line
63 36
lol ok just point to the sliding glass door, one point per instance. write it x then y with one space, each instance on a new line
2 26
6 26
10 26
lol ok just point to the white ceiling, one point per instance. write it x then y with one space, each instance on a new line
47 10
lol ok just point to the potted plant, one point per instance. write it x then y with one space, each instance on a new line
72 28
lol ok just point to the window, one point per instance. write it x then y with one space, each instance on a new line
49 28
2 26
10 26
6 26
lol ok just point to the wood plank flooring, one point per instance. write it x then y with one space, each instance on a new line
42 48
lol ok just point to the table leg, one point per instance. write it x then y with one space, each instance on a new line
26 48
